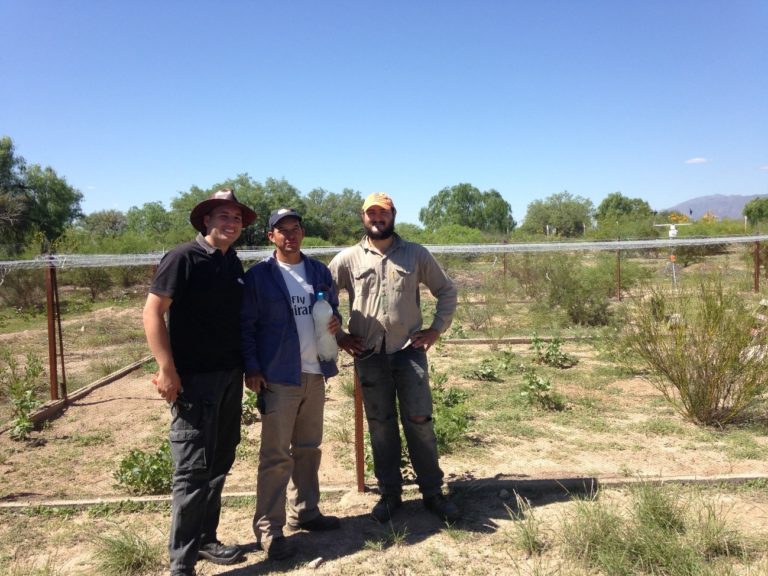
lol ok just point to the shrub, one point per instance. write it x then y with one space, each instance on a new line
707 363
551 354
96 280
484 371
451 417
146 472
24 289
538 391
20 387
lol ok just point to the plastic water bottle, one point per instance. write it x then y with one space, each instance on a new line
327 349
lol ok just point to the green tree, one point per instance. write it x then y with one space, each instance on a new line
334 217
465 205
13 198
620 216
104 223
756 210
151 219
616 205
562 215
53 204
263 198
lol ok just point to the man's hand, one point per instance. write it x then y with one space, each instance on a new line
168 384
256 382
352 345
424 338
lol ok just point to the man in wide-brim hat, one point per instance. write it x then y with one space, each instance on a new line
200 285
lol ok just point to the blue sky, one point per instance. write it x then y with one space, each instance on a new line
137 101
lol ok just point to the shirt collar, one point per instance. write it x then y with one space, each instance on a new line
200 239
392 247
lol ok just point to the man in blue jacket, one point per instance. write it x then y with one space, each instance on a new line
281 364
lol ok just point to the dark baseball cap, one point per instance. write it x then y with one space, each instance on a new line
281 213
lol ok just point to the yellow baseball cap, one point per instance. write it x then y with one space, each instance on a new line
378 199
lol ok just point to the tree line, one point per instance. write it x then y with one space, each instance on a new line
40 212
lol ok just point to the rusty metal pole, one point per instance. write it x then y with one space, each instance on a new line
359 440
50 272
57 308
756 272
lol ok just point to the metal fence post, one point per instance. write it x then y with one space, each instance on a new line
50 275
359 448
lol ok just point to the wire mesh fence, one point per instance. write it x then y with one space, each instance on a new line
507 293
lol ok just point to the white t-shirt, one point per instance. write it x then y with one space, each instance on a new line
300 290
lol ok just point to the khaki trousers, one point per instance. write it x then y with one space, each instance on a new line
289 456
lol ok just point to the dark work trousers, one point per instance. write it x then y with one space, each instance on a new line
387 380
204 435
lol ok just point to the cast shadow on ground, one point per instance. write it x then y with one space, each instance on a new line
483 503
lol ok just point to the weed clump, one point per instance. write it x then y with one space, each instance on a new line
146 472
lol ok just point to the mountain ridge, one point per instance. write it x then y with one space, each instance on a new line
721 205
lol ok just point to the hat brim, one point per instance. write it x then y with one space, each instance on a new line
198 213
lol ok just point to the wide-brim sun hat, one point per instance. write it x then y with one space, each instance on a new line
218 198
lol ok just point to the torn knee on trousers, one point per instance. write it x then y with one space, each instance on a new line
419 419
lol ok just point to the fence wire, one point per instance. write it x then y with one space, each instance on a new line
505 291
251 254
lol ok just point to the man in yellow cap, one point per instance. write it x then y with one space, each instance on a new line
200 285
382 274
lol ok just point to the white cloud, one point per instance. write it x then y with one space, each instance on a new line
697 160
764 168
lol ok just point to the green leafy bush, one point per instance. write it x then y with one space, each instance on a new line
551 354
707 363
146 472
485 371
538 391
451 416
20 387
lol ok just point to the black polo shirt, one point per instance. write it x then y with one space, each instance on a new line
206 287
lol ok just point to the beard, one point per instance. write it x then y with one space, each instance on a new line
380 234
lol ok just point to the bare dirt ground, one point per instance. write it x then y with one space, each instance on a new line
628 433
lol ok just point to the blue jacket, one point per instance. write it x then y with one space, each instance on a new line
269 335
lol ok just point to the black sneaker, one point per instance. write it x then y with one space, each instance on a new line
441 507
386 506
279 548
217 553
319 523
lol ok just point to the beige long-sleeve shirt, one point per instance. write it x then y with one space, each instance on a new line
384 299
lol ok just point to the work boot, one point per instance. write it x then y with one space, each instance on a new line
386 506
218 553
279 548
441 507
319 523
